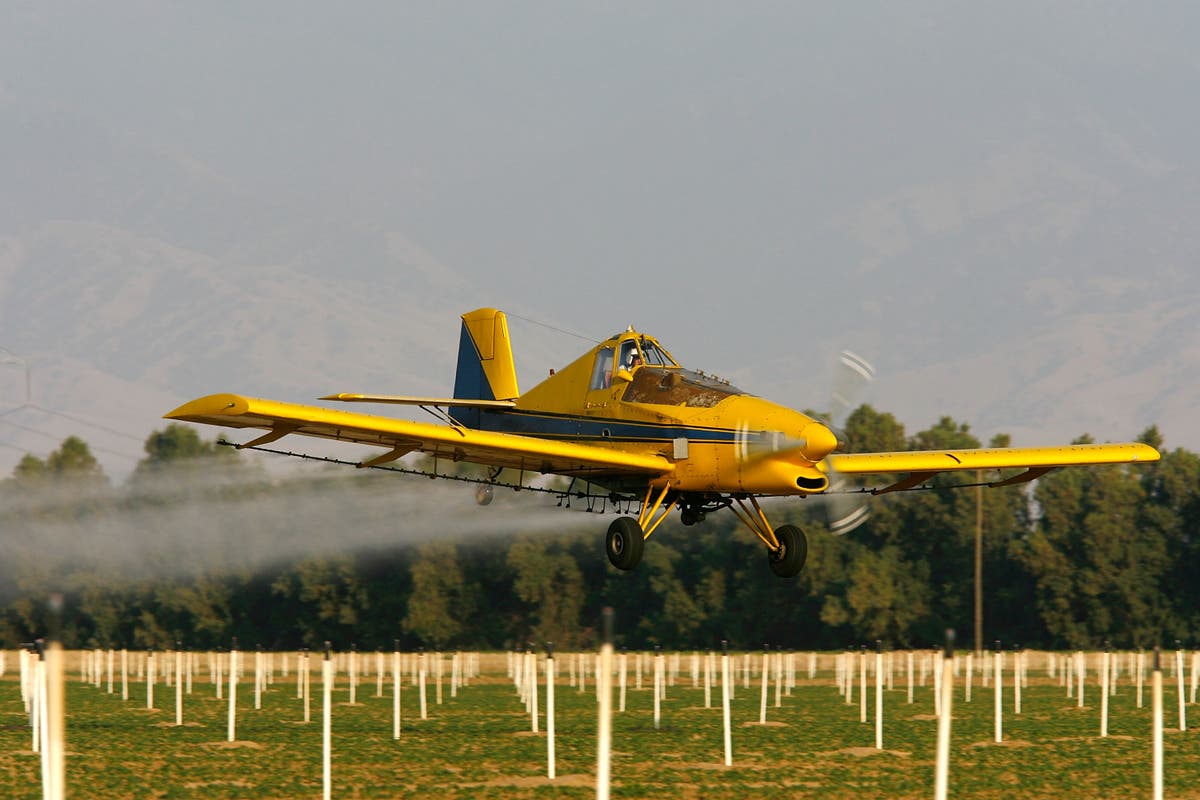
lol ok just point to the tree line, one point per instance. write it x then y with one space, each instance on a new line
1080 557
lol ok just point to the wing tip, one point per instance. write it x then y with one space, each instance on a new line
208 406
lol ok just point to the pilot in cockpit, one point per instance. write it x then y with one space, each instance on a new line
630 356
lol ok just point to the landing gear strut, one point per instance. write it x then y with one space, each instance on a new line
787 546
627 536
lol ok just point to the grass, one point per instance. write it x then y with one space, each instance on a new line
479 745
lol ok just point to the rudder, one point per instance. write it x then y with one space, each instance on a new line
485 362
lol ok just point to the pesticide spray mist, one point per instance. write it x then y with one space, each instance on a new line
205 520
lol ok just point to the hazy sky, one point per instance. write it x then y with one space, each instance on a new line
760 184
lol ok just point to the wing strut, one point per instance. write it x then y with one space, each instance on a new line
391 455
1031 474
277 432
904 484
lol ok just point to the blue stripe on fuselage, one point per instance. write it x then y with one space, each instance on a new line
573 427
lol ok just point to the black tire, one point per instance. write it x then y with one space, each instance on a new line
793 551
625 543
690 516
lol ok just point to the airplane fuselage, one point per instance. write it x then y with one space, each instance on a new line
712 432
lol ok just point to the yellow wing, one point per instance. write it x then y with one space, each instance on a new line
402 436
1036 461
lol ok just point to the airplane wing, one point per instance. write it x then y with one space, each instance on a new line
350 397
1036 461
402 437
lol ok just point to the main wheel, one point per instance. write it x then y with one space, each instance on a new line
789 559
624 543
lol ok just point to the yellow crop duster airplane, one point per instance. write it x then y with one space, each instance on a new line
627 418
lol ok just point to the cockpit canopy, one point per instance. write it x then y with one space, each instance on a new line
653 375
628 351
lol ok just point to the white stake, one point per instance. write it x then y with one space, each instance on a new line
1018 679
1080 675
1140 670
623 680
762 706
878 695
1179 678
970 673
124 674
150 663
941 779
1192 696
533 684
1104 678
421 681
725 687
937 691
38 698
54 726
258 678
998 682
604 724
550 711
657 688
862 684
233 681
396 689
326 727
307 690
909 659
178 685
708 681
1156 704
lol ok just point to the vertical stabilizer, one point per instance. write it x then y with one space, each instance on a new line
485 362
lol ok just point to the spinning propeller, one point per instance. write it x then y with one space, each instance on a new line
846 510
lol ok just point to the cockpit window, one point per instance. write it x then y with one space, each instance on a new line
655 356
603 371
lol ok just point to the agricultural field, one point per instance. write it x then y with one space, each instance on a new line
480 743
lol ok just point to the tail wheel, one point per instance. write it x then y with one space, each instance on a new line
625 542
788 560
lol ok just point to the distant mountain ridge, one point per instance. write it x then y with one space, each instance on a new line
996 206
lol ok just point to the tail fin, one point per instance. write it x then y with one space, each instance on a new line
485 362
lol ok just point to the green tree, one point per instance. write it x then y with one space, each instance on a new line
30 472
441 605
328 598
1097 570
73 461
549 580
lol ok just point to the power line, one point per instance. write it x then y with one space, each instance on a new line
57 437
95 425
